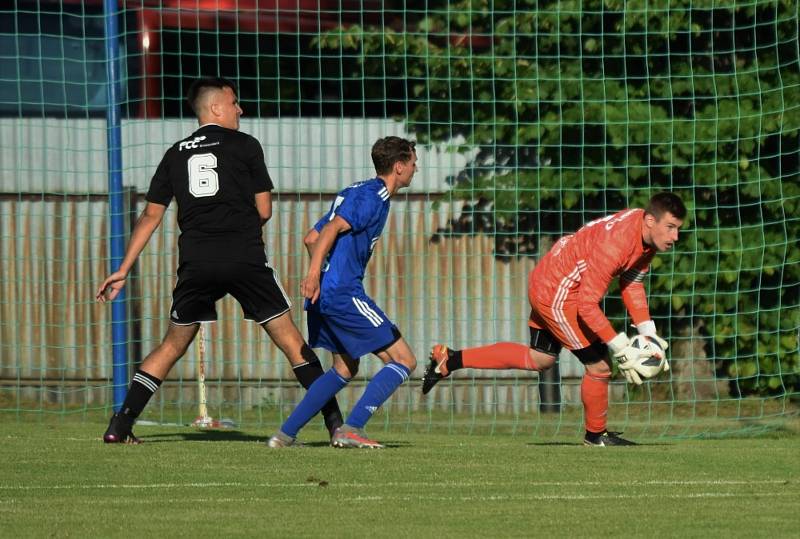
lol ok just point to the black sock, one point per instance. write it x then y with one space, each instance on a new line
454 360
142 388
593 436
306 374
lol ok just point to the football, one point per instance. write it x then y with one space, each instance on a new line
649 366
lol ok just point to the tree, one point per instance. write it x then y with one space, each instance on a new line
572 110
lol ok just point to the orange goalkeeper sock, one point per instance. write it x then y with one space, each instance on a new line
594 394
502 355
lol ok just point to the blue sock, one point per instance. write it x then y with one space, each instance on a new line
378 391
320 392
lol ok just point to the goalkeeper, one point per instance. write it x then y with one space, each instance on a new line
565 289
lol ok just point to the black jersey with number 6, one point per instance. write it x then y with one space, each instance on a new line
214 175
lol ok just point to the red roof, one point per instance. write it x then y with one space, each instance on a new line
306 16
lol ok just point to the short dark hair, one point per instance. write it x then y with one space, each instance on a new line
389 150
200 87
664 202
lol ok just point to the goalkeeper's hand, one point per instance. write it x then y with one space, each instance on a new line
648 329
627 356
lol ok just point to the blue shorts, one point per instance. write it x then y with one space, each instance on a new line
351 325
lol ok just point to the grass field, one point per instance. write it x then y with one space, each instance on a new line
58 479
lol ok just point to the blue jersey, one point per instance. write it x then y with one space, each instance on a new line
365 206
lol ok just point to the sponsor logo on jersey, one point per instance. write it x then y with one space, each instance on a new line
561 244
191 144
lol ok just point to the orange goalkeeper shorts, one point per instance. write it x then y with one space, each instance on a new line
562 321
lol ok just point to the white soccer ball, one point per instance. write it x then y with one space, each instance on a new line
649 366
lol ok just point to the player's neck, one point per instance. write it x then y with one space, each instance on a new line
647 239
390 182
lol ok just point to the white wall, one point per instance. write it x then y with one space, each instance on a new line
303 155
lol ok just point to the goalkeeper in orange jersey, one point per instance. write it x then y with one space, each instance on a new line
565 289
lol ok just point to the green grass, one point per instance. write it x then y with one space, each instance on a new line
58 479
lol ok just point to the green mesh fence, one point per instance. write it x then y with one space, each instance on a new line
533 117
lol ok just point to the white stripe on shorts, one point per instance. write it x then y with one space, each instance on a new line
368 313
280 286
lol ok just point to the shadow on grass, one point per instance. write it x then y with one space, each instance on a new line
563 444
580 443
203 436
238 436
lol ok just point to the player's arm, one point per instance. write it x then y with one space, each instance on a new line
148 222
310 240
264 206
633 293
321 247
594 283
635 299
601 264
260 179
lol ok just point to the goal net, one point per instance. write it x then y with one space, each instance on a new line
532 118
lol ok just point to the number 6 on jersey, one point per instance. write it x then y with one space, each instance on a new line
203 179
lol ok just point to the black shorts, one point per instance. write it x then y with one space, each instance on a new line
200 284
543 341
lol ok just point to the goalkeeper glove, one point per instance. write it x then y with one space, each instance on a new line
648 329
627 356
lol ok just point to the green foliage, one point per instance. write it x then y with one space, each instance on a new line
578 109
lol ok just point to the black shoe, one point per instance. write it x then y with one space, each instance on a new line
333 423
603 439
437 369
120 430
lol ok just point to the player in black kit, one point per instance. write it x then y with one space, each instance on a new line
219 180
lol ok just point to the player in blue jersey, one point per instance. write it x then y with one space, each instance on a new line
342 318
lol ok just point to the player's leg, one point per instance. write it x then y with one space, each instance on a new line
539 356
561 320
193 301
305 363
497 356
325 387
361 327
322 391
399 361
593 354
594 395
147 380
258 290
160 361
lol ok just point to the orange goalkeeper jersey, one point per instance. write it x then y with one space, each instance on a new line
579 268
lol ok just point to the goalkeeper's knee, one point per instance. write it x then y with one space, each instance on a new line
594 354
